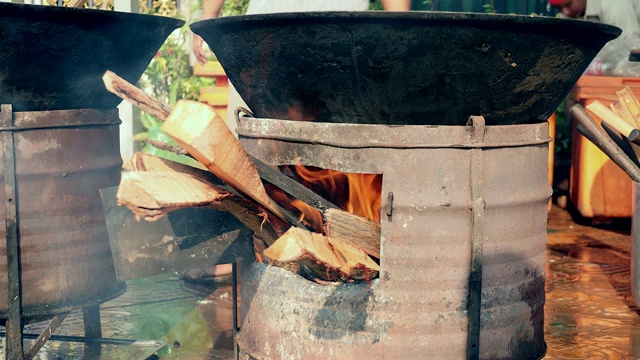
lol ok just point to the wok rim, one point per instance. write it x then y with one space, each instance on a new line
451 18
53 11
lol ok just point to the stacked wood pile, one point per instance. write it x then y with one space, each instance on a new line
345 248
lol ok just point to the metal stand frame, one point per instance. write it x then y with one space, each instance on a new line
14 326
234 295
478 205
13 346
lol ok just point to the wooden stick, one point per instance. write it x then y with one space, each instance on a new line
357 231
622 142
292 187
328 259
259 220
636 150
631 103
140 99
620 109
199 129
592 131
121 87
137 97
153 195
170 148
608 116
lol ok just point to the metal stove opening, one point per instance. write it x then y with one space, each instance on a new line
355 193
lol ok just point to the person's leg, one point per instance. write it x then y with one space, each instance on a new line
218 270
217 273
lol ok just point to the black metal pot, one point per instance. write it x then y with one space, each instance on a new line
53 58
403 68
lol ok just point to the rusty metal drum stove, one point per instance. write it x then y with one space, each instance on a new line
464 213
464 206
61 158
60 145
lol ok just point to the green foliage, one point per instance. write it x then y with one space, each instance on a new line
169 78
235 7
375 5
489 7
183 321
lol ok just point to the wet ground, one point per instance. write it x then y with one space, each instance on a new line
589 312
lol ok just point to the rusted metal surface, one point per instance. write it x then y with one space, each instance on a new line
635 245
62 159
54 57
12 239
403 68
388 136
44 336
461 185
185 239
474 297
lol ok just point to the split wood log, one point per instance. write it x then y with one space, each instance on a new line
620 109
153 195
199 129
203 133
357 225
129 92
329 259
167 147
631 103
357 231
605 114
146 162
265 225
126 91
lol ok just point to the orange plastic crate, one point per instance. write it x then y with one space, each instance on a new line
218 95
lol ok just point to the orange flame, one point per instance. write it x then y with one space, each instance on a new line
309 214
358 194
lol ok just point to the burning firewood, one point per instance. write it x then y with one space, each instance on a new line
146 162
206 137
253 216
357 231
153 195
329 259
199 130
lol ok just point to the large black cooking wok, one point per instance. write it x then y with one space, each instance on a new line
53 58
403 68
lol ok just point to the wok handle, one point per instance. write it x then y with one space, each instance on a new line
590 129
